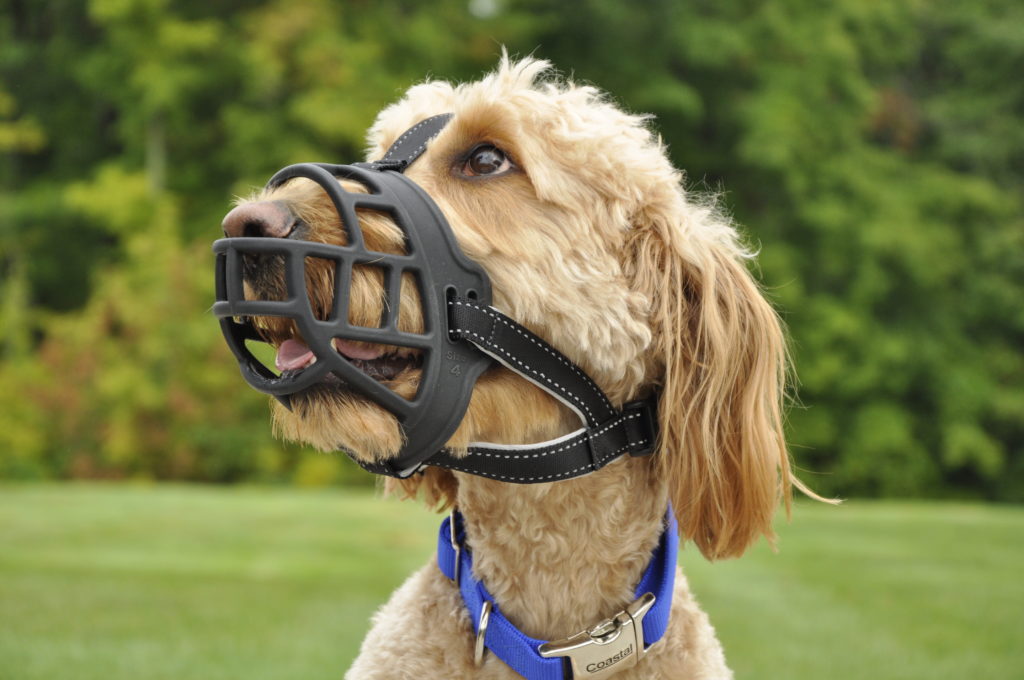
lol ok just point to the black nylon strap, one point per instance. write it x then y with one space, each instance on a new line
609 432
525 353
412 143
632 431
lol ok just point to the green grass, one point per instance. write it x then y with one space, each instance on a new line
112 582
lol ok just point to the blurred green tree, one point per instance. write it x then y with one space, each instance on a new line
874 150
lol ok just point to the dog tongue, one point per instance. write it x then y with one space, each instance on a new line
293 354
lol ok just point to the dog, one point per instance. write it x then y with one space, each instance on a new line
589 240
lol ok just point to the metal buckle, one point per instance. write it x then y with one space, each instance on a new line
609 647
456 546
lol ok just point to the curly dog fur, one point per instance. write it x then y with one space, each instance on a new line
591 241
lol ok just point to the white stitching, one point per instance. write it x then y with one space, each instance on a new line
556 355
582 439
507 478
405 134
535 371
512 456
615 423
532 371
549 350
419 149
615 453
514 479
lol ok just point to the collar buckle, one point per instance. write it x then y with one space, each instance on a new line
613 645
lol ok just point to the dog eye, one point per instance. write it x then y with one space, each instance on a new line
486 159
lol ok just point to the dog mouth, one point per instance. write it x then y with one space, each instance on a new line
383 363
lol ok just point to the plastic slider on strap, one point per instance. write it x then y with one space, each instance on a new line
609 647
644 428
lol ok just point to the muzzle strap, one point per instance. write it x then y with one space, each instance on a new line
530 356
579 453
412 143
608 433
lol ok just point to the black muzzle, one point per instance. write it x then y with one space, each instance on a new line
432 258
462 335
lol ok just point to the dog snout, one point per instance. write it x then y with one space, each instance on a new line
271 219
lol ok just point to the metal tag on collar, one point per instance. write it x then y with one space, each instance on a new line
609 647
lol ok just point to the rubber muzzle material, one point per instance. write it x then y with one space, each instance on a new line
432 259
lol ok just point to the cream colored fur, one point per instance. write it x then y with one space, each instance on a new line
593 243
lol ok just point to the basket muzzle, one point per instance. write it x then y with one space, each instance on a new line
432 259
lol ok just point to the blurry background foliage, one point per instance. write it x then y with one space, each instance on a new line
874 151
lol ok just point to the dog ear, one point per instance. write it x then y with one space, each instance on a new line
720 362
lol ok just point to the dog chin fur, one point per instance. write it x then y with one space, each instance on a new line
592 243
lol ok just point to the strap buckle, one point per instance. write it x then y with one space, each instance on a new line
609 647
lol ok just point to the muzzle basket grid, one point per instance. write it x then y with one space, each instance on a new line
433 260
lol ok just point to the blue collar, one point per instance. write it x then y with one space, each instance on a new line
595 653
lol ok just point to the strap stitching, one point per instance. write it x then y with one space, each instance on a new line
515 479
586 379
414 128
511 456
492 475
547 349
557 356
532 371
404 135
419 149
577 441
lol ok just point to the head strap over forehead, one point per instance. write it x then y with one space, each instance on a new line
412 143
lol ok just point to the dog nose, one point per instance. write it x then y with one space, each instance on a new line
265 218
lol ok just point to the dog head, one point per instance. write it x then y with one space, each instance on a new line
581 222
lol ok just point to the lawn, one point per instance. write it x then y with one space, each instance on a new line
197 583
